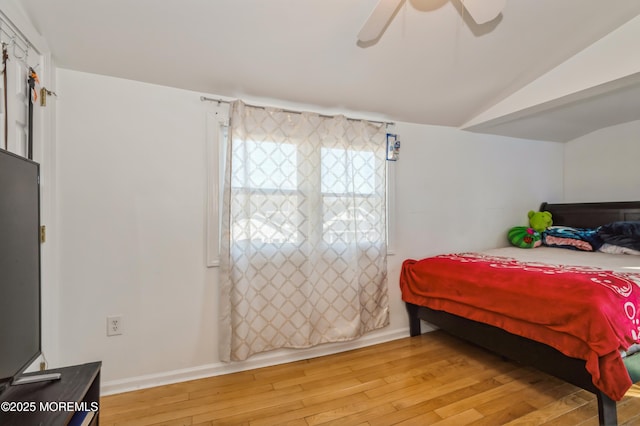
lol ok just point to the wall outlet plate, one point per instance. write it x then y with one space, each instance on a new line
114 325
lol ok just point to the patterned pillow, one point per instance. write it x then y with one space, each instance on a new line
524 237
584 239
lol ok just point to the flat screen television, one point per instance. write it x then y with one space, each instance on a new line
19 266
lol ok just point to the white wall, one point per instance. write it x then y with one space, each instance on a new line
603 165
463 191
131 199
131 222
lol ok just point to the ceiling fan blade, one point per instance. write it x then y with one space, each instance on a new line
483 11
378 20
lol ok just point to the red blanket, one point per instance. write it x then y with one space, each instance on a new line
584 312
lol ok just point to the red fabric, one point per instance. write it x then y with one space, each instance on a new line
584 312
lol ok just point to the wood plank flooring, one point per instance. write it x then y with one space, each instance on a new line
433 379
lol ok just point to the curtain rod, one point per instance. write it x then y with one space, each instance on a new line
222 101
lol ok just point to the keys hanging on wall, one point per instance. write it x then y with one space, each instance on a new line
44 93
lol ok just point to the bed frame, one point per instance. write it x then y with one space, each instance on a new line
529 352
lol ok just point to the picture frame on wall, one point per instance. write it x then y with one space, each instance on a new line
393 147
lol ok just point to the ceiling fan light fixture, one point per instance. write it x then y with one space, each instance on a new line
481 11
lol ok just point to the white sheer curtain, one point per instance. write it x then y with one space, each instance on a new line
303 252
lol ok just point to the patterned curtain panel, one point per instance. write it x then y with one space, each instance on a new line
303 253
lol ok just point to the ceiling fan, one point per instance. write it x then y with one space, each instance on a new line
482 11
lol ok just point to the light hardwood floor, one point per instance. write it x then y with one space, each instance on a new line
433 379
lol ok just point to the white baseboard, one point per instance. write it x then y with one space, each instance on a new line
258 361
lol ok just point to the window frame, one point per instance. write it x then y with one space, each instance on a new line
217 119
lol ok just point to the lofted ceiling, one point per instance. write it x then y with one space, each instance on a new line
432 65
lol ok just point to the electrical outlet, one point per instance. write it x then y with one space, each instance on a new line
114 325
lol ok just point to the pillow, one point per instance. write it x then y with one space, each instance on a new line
624 234
524 237
611 249
584 239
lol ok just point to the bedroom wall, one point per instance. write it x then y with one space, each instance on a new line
603 165
131 192
462 191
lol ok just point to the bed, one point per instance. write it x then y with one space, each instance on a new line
579 350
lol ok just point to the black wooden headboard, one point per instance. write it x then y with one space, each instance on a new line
592 215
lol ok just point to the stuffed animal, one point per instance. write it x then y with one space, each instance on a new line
524 237
540 221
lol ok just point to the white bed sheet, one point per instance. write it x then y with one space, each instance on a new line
562 256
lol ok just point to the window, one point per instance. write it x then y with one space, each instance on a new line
270 168
270 174
304 249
